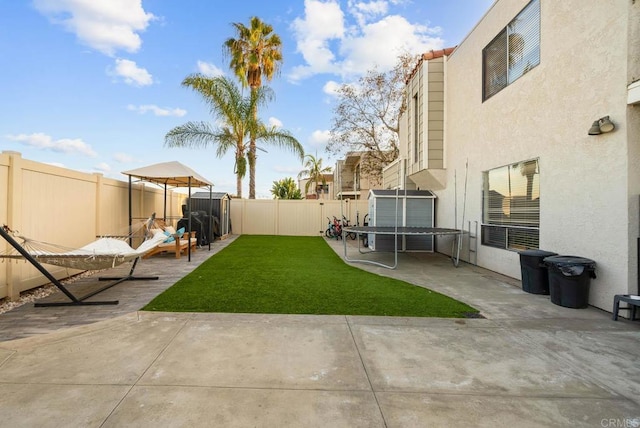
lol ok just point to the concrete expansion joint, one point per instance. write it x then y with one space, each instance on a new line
366 371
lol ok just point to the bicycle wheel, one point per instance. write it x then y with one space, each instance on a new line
353 235
329 232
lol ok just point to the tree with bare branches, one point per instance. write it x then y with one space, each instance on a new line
366 118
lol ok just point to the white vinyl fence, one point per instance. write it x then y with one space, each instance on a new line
290 217
71 208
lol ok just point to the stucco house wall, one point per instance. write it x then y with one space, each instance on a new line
589 185
350 181
587 196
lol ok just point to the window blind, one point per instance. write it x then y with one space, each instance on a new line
524 41
513 52
511 205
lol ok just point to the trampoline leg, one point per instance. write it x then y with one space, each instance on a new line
458 242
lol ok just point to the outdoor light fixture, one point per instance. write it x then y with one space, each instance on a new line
601 126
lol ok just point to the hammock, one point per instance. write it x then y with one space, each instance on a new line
101 254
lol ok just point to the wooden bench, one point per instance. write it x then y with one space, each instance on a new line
179 245
633 302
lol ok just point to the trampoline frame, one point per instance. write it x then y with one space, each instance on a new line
398 231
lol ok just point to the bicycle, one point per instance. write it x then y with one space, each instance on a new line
364 236
334 229
345 223
328 233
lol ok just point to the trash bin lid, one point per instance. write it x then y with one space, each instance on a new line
570 265
537 253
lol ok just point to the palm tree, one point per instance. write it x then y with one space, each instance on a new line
235 114
256 52
285 189
314 173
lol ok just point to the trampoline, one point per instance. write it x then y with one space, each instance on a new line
401 231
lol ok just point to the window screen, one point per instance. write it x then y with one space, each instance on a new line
511 206
513 52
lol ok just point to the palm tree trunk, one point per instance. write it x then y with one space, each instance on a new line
252 169
238 186
252 155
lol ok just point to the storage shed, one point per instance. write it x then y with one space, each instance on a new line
221 210
415 208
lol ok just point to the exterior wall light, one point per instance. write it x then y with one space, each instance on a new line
601 126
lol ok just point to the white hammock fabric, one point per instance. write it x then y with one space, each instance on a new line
103 253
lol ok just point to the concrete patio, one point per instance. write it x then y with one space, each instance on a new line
529 363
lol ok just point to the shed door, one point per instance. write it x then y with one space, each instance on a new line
385 208
385 216
419 214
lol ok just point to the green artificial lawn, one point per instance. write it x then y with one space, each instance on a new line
297 275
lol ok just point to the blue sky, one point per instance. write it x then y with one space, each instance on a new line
94 85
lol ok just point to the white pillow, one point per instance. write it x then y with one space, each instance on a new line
170 229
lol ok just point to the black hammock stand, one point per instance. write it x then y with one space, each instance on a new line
74 300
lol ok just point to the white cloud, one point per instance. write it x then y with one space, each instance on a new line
209 69
132 74
331 87
102 167
323 22
372 8
363 11
275 122
350 42
319 139
105 25
122 158
45 142
158 111
380 43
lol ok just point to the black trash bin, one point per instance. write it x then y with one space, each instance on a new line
535 278
570 279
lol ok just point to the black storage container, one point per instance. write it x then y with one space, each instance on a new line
197 226
535 277
570 279
219 205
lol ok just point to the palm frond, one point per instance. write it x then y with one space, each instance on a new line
191 135
280 138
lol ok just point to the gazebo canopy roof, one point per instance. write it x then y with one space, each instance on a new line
169 173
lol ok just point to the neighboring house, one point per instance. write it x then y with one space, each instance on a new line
351 182
499 129
321 191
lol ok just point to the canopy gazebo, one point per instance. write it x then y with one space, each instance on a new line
170 175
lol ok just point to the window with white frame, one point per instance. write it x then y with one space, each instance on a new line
513 52
511 206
